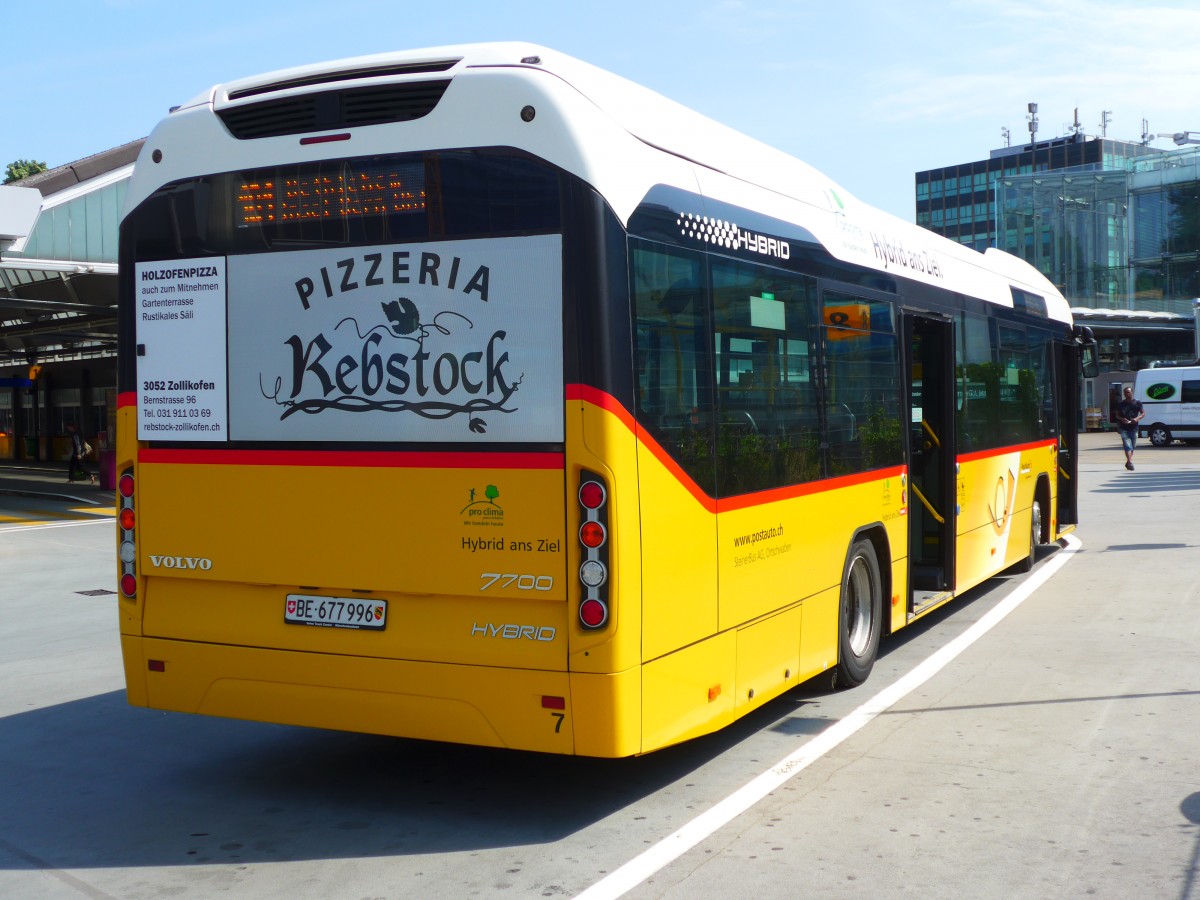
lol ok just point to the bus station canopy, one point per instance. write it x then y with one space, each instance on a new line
58 260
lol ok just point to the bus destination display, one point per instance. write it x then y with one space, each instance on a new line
344 191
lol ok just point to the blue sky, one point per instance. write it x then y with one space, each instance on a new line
868 92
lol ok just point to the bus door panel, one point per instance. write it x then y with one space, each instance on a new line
932 451
1066 390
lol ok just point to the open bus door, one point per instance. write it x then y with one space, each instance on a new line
1073 362
931 455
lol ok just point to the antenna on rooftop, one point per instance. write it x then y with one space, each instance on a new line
1033 123
1076 128
1007 135
1105 118
1147 137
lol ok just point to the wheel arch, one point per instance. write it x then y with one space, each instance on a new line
877 535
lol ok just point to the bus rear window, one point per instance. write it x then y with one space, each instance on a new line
353 201
408 298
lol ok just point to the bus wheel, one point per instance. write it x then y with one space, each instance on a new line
861 615
1035 538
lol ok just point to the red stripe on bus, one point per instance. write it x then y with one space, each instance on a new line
1001 451
745 501
760 498
127 398
610 404
668 463
399 459
599 398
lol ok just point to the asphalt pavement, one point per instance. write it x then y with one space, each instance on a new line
29 478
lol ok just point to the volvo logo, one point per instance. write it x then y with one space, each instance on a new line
181 562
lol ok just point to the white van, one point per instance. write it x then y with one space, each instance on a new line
1171 399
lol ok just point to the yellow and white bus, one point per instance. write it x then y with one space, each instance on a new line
476 394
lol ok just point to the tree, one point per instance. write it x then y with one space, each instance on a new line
23 168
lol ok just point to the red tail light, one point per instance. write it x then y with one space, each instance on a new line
593 613
592 494
127 552
593 545
591 534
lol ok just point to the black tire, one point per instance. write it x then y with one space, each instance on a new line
860 615
1035 538
1160 435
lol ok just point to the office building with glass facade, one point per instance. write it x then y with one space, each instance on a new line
1114 225
1125 238
959 201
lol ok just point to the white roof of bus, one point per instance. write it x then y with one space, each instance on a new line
672 127
647 115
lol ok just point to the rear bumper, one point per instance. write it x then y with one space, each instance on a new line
483 706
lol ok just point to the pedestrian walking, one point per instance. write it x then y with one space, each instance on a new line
1129 413
79 449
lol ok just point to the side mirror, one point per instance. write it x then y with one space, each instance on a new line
1089 363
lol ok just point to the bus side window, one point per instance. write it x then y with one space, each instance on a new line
768 425
671 333
863 402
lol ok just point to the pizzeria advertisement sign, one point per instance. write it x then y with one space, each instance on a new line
438 341
180 324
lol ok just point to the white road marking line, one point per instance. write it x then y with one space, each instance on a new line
670 848
32 527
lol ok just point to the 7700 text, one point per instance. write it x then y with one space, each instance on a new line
523 582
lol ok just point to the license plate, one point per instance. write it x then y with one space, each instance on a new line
335 612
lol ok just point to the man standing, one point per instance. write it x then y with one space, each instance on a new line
1129 413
